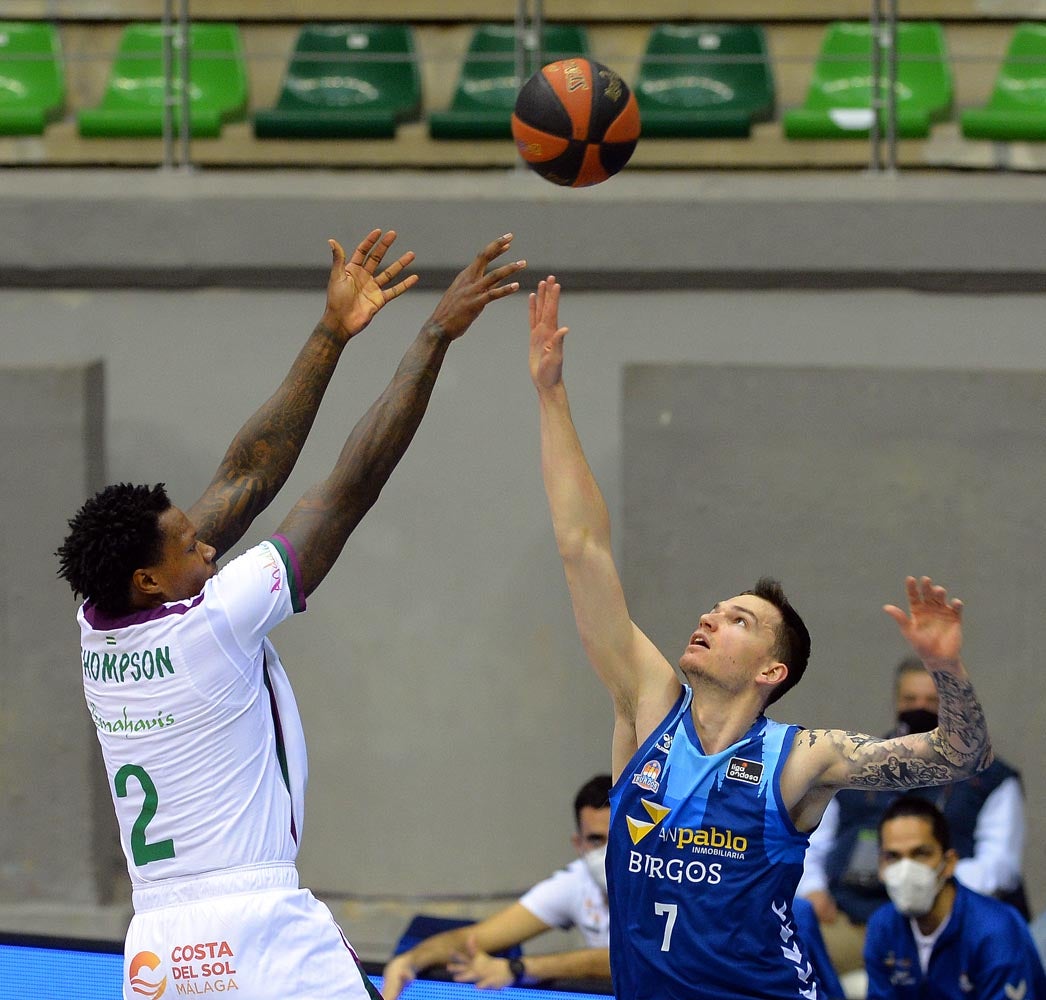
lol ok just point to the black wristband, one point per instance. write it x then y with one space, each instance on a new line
518 970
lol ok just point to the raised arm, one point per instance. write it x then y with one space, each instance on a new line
264 451
322 520
640 680
958 748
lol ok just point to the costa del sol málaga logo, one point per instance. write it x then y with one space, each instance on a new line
145 980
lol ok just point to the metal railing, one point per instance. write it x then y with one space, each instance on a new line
176 42
884 42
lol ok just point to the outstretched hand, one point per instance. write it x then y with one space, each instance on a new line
933 623
474 287
357 291
476 966
397 975
546 335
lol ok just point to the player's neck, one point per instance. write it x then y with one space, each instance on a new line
721 718
942 908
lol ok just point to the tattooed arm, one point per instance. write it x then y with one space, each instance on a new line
322 520
264 452
827 760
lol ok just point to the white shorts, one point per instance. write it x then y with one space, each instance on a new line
251 934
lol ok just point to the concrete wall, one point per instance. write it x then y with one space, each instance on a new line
450 711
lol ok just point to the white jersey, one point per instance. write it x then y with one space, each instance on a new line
200 734
571 898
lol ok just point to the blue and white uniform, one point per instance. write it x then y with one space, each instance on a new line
983 950
205 756
702 866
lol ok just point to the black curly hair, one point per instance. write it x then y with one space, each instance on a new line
114 533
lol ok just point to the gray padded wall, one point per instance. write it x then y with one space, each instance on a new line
56 840
449 710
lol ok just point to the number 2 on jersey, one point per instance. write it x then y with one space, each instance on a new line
142 851
669 910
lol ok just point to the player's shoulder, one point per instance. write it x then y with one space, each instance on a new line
884 920
262 564
987 915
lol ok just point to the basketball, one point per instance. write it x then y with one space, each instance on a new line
576 122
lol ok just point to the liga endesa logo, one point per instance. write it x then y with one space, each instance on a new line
143 975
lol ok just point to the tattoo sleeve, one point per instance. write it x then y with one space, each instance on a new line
321 522
957 749
266 448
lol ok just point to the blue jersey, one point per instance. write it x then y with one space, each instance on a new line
985 951
702 865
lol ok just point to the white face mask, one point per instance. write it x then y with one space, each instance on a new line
912 887
596 862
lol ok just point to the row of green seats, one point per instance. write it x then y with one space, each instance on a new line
363 80
838 102
327 93
32 82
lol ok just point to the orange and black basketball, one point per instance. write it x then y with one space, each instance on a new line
576 122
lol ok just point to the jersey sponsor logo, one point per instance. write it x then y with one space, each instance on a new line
203 967
639 828
664 743
125 724
700 840
648 777
706 840
749 771
145 976
138 665
275 568
674 869
900 970
1014 992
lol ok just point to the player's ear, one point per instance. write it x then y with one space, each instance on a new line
773 673
951 859
144 582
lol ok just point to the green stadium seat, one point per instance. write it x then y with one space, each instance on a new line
838 101
32 83
704 80
133 102
486 90
1016 110
346 81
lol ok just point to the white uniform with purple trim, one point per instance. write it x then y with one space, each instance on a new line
205 757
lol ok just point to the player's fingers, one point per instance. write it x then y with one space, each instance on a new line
492 250
896 614
396 290
499 274
359 255
552 302
502 290
395 267
379 250
337 254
